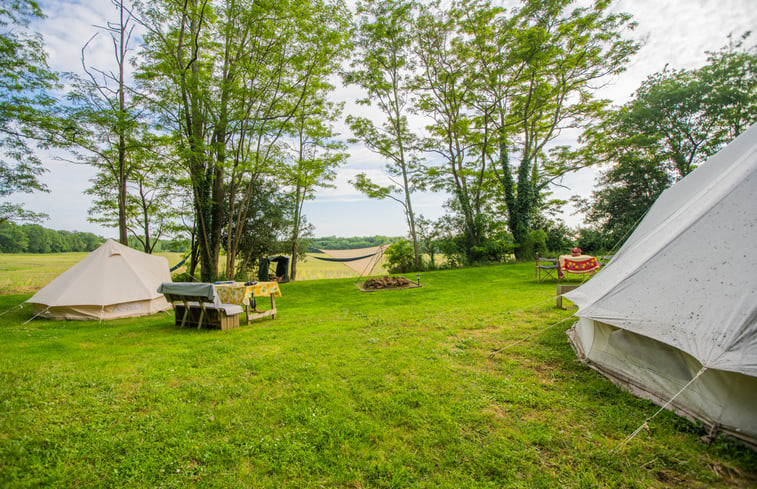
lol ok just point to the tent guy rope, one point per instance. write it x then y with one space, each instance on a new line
12 308
535 333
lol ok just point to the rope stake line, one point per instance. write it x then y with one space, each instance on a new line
499 350
645 424
20 306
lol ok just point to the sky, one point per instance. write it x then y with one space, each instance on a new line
674 32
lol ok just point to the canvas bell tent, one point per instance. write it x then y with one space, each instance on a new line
114 281
673 317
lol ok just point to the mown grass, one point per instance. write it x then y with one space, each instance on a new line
344 389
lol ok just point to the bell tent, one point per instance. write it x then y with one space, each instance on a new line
114 281
673 317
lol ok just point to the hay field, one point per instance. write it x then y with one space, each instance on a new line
23 273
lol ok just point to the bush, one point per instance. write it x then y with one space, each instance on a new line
183 276
400 257
535 242
592 242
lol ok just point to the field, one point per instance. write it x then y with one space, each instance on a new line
467 382
29 272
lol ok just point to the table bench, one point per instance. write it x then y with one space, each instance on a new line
198 303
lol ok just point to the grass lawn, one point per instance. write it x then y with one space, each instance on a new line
344 389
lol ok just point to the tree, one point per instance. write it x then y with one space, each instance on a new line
429 233
149 210
676 120
107 115
13 239
626 192
539 81
315 156
27 108
175 76
266 226
383 65
227 79
730 81
446 98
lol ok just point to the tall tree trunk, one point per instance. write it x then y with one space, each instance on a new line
298 198
123 236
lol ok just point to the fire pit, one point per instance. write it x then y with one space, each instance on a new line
387 282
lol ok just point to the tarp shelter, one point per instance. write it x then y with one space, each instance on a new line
674 314
114 281
361 260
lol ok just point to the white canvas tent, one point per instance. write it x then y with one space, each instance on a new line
114 281
674 314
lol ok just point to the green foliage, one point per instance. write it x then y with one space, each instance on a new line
595 242
149 209
264 231
559 236
384 66
400 257
535 242
335 243
676 120
13 239
499 86
27 108
33 238
230 81
342 389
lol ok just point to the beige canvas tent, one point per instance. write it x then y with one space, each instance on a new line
114 281
673 317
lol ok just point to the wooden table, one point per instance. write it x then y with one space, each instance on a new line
244 295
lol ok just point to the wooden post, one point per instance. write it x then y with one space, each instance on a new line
202 313
561 289
186 312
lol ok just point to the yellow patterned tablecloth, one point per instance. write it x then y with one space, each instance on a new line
239 293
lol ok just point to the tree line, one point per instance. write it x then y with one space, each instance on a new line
33 238
350 243
214 121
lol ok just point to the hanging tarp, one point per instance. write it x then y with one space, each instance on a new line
361 260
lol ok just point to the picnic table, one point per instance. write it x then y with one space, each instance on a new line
244 295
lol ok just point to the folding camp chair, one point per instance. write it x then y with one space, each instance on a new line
548 266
